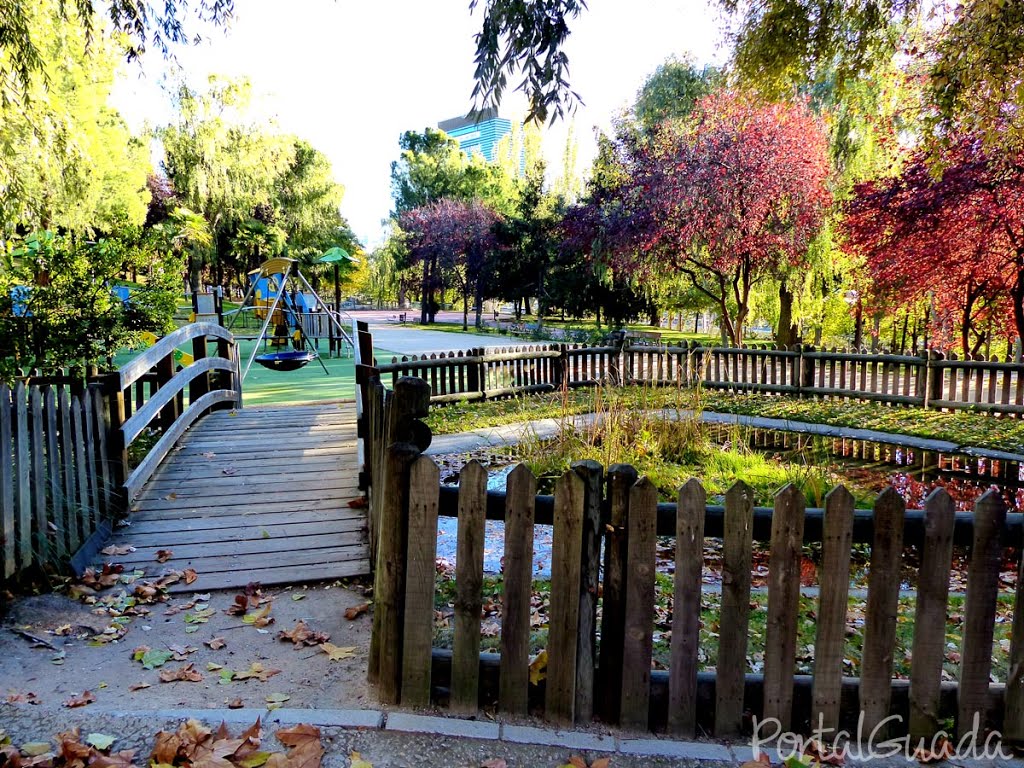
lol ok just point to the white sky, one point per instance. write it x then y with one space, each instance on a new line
350 76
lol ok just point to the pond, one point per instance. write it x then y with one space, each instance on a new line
866 467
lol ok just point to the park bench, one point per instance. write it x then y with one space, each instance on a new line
651 338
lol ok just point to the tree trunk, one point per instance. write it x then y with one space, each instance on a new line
424 294
785 335
655 317
465 308
858 326
876 328
526 304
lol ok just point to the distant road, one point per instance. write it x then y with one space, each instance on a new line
390 335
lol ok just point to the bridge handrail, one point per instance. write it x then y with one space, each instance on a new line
212 381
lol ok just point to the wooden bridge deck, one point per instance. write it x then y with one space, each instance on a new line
261 494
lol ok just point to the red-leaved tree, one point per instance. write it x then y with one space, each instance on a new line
728 197
454 241
951 234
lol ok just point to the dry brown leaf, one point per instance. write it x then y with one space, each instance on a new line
601 762
138 686
256 670
235 704
113 549
80 701
577 762
301 635
356 611
186 673
163 555
190 575
215 644
304 741
943 751
494 762
338 653
359 503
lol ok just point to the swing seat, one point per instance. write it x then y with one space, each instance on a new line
286 361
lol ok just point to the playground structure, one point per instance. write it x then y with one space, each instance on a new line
279 296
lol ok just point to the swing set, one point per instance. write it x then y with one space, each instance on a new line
283 279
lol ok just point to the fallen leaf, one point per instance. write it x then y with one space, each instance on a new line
138 686
208 454
113 549
190 575
494 762
215 644
261 618
356 611
301 635
356 761
297 596
275 700
601 762
163 555
943 751
577 762
100 740
337 653
152 658
80 701
305 750
360 503
256 670
538 667
235 704
186 673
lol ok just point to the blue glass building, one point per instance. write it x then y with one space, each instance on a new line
478 134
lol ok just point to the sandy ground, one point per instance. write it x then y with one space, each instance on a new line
77 663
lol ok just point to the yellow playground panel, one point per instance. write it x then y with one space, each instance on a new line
182 358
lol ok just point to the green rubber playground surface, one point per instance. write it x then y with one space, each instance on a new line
306 385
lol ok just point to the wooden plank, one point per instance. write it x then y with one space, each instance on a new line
7 513
59 510
83 513
564 606
38 441
231 490
89 460
102 457
830 638
469 564
339 537
420 569
256 532
303 574
255 506
321 475
183 469
980 612
208 565
929 646
389 582
621 478
880 614
682 682
23 467
143 526
513 690
589 588
783 604
639 624
735 614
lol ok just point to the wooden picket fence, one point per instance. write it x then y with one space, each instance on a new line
65 472
930 380
602 668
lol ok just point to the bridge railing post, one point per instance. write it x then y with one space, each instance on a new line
117 450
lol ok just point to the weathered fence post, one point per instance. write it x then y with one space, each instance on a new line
113 420
7 481
634 711
586 651
935 378
805 366
980 612
882 606
469 564
476 373
620 478
559 369
929 648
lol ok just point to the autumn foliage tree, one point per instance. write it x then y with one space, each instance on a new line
726 198
952 234
453 241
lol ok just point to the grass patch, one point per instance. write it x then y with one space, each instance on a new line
962 427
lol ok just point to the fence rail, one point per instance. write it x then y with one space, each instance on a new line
929 380
65 472
617 513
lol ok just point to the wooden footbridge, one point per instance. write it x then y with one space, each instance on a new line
160 461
